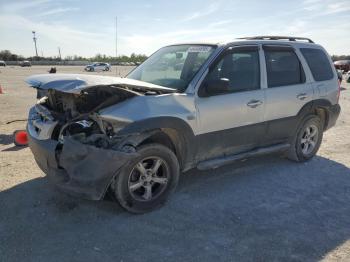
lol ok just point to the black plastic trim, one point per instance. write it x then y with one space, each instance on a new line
278 47
185 143
215 163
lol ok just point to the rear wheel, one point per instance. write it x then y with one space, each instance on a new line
307 140
148 180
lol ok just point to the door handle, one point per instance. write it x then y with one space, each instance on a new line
254 103
302 96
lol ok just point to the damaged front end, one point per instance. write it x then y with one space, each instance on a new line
79 150
76 168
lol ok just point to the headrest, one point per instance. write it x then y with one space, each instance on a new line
287 63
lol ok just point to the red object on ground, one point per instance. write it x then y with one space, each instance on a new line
1 92
20 138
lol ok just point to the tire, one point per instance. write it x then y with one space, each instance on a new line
137 188
107 69
306 143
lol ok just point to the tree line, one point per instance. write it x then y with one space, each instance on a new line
6 55
340 57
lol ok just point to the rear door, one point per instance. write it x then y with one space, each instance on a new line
232 122
287 91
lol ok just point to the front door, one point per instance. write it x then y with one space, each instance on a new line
232 122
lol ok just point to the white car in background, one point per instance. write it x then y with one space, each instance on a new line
25 63
98 66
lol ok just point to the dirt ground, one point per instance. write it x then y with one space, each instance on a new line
264 209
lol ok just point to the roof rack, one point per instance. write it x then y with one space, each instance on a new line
273 37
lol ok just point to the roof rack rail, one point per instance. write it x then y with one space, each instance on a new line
273 37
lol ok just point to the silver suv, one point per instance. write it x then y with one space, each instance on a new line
186 106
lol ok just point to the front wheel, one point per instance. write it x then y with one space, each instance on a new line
307 140
148 180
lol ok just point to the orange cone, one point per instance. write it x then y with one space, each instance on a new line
1 92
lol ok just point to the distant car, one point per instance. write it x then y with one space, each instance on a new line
343 65
25 63
98 67
2 63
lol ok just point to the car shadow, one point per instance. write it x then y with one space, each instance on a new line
6 139
13 148
263 209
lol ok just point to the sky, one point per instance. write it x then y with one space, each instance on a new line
88 27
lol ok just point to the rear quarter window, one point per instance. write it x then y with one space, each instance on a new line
318 63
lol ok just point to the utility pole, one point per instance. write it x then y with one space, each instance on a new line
59 53
116 45
34 39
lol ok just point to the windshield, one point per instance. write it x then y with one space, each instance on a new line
173 66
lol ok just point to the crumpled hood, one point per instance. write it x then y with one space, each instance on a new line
74 83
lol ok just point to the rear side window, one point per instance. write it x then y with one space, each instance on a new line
318 63
283 68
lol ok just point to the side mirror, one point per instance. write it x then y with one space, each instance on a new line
214 87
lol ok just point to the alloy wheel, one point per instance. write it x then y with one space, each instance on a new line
148 179
309 139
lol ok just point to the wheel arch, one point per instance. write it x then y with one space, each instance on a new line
171 132
319 107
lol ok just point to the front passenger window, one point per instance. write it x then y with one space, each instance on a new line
241 68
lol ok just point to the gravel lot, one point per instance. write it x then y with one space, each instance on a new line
264 209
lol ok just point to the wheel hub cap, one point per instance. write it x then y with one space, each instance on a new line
148 179
309 139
